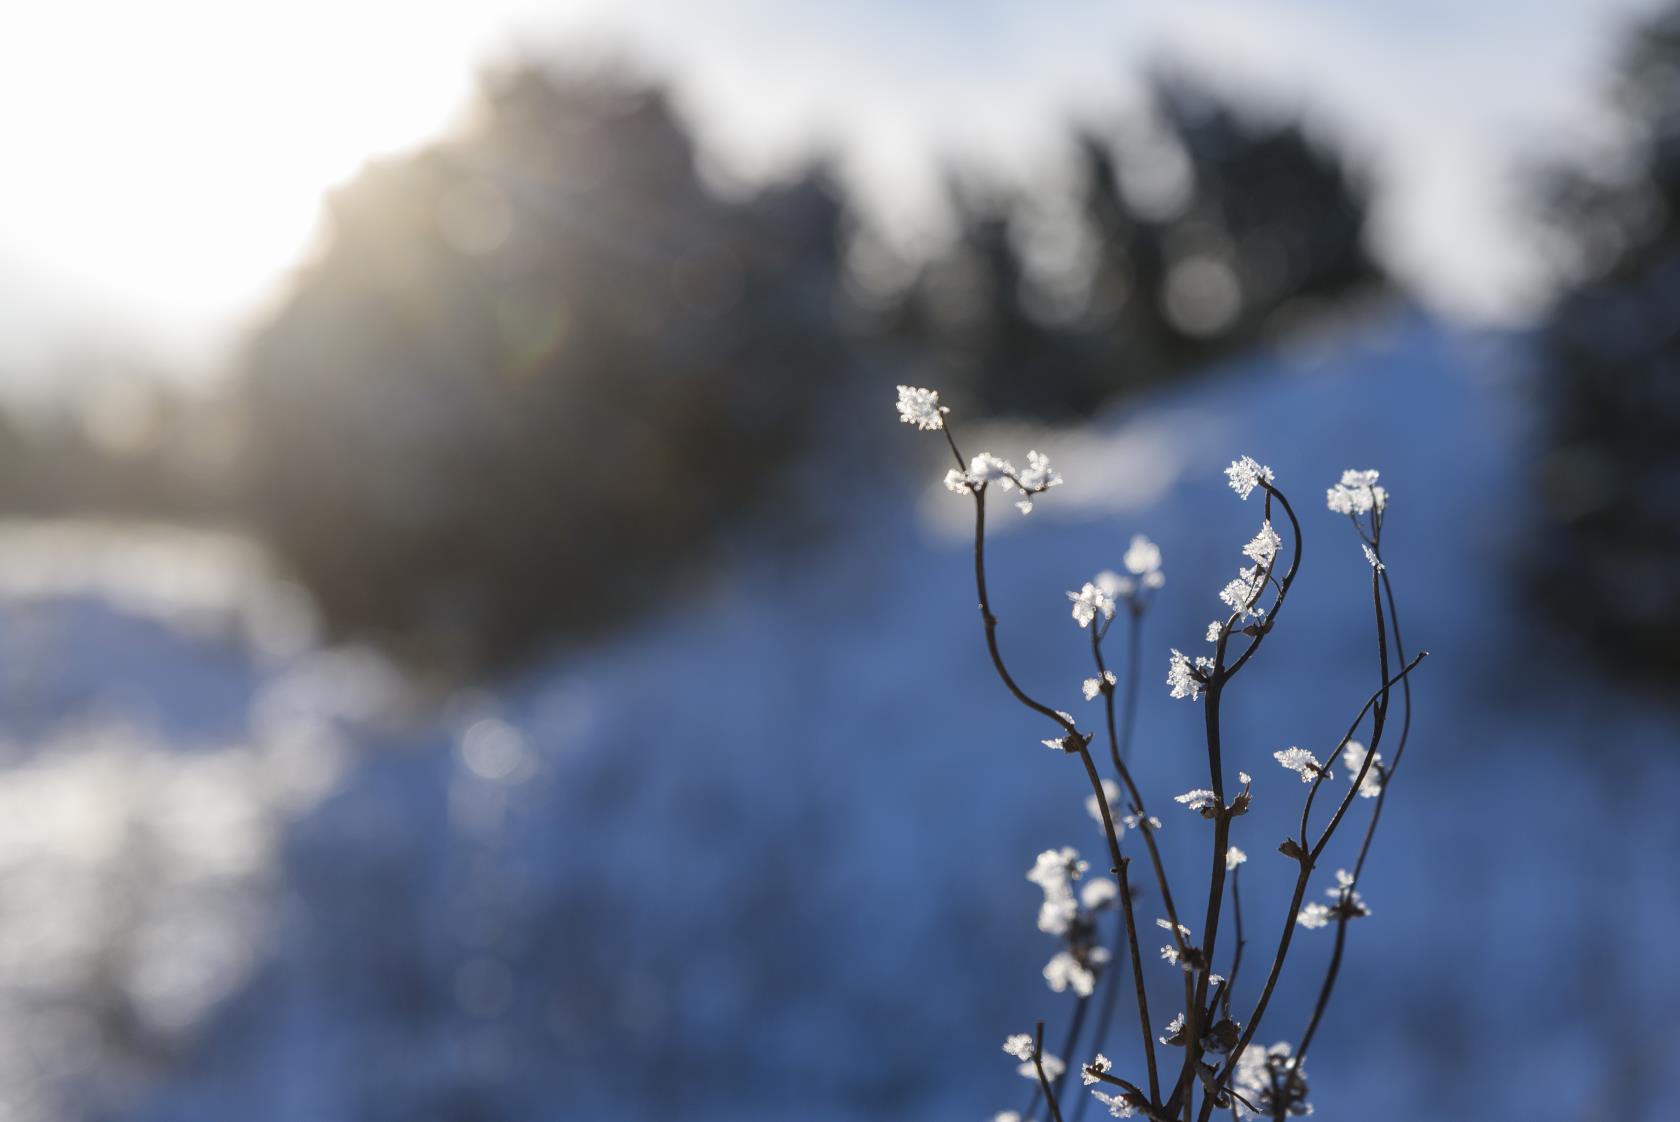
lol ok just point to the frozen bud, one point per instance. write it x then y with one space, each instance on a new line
1088 602
1301 761
1245 475
1099 893
921 408
1313 916
1357 494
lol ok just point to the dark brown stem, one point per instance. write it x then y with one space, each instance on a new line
1306 861
1128 910
1329 982
1237 917
1376 815
1043 1083
1213 695
991 623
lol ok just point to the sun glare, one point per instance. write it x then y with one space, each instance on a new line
169 160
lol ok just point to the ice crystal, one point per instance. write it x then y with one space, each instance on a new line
1133 821
1263 549
1234 857
1111 793
1143 560
1356 494
1241 594
1056 869
1117 1105
1057 914
1099 893
921 408
1198 799
1092 1071
1301 761
1020 1045
1182 674
1053 1067
1091 687
1313 916
1088 601
1245 475
1039 476
1353 758
1064 972
1372 558
987 468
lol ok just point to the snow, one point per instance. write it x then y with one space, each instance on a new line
746 862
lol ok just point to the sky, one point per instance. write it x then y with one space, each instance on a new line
164 163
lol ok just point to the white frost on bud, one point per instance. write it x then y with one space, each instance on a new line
1353 758
1064 972
1099 893
1356 494
1117 1105
1181 674
1111 792
1133 821
1198 799
987 468
1088 601
1263 549
1143 560
1313 916
921 408
1245 475
1301 761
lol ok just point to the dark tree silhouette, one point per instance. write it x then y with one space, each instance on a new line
1609 477
1266 222
537 364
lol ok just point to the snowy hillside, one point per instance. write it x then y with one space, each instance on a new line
761 855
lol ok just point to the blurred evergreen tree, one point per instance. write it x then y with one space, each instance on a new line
1241 227
1610 474
536 365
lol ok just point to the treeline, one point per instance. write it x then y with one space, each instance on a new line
1609 473
539 364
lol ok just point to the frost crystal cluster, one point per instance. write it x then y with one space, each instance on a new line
1208 1050
1357 493
920 408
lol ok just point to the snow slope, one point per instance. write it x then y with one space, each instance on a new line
761 855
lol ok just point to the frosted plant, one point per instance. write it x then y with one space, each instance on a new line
1357 494
1090 602
1301 761
1353 759
920 408
1185 677
1220 1068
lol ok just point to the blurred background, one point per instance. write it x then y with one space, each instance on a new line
477 645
